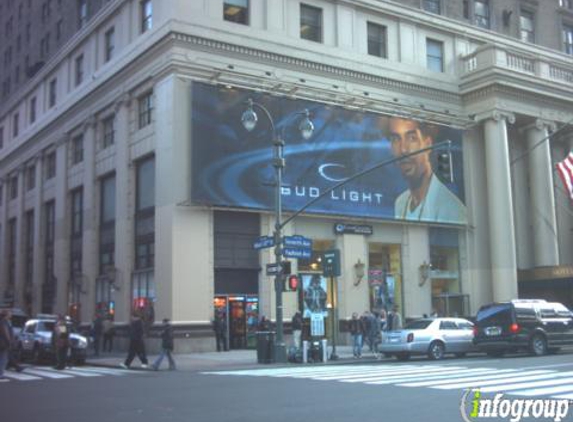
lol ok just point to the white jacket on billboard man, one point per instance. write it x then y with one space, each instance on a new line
427 198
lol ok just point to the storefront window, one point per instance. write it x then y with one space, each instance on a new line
384 276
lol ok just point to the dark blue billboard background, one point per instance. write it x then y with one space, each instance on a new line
233 167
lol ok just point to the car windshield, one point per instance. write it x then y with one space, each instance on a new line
420 324
47 326
496 314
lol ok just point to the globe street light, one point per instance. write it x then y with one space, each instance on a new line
249 120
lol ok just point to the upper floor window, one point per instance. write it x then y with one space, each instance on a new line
376 40
77 149
145 106
31 177
50 165
432 6
481 13
236 11
52 92
109 44
107 199
82 13
13 187
59 27
15 124
146 15
435 55
108 132
77 211
79 70
568 39
310 23
526 24
33 109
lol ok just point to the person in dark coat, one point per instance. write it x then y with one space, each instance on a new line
166 346
357 330
296 325
220 327
61 340
5 339
136 344
97 332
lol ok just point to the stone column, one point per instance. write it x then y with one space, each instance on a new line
89 237
61 227
3 232
542 205
124 221
19 275
39 245
500 207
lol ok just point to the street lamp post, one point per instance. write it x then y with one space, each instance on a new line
249 120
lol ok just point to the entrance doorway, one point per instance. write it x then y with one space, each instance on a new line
242 315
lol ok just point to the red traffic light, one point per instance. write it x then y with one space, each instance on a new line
293 282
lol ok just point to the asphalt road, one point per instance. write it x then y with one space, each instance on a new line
269 393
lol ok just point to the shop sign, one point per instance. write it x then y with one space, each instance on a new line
363 229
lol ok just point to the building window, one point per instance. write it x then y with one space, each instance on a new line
82 13
29 261
432 6
146 15
13 187
31 177
107 224
310 23
79 70
568 39
435 55
527 27
109 44
145 108
15 124
145 214
50 165
76 232
59 26
376 40
77 149
108 132
52 92
32 109
236 11
481 13
77 212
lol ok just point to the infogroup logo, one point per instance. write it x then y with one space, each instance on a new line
474 407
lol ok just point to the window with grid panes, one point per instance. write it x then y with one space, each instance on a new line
310 23
145 108
79 70
107 223
77 149
526 24
145 214
236 11
376 40
31 177
568 39
52 92
432 6
109 40
146 15
33 102
435 55
50 165
482 13
108 132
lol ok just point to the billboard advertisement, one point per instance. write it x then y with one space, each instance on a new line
233 167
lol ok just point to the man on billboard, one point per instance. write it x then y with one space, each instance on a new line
314 295
427 198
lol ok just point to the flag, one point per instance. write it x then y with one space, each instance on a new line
565 170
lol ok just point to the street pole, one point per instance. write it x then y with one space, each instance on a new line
334 300
279 164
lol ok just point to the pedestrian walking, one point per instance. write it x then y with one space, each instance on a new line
60 342
97 332
108 333
296 325
13 360
357 331
166 346
5 341
394 319
264 324
220 328
136 344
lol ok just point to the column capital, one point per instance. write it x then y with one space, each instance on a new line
496 115
123 100
539 124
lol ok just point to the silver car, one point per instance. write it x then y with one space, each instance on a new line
433 337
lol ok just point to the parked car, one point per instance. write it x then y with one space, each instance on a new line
433 337
35 342
533 325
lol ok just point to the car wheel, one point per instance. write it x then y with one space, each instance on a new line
403 356
538 345
436 350
461 355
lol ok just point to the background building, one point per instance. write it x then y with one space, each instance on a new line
100 131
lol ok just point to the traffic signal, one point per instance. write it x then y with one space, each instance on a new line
286 267
445 167
292 283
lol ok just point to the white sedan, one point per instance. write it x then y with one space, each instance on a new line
433 337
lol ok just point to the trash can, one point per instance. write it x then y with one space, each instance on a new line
265 346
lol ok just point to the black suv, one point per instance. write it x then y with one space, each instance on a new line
532 325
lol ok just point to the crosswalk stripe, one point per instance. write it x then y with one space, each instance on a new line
108 371
390 372
81 373
517 386
20 376
544 391
48 374
421 376
457 382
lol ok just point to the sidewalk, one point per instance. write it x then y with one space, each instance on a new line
233 359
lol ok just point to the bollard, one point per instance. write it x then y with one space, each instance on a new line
305 351
324 343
